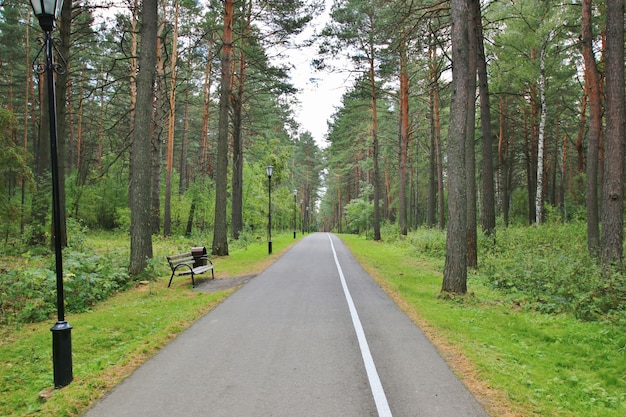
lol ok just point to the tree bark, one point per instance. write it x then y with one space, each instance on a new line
375 150
432 177
404 137
541 137
503 154
220 229
237 102
470 150
594 100
613 187
455 268
488 208
140 162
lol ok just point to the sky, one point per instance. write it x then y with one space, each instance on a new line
320 92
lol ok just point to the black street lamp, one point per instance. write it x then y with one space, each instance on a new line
268 170
295 225
302 216
47 11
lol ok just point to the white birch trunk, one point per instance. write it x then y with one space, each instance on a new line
541 139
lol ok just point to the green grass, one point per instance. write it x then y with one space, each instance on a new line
539 364
117 335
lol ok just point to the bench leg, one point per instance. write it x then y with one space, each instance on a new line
193 283
212 274
171 278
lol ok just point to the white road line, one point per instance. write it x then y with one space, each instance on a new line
377 387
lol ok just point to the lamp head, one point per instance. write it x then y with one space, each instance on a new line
47 11
269 169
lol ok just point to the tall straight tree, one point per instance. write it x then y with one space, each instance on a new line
140 156
237 97
488 207
220 229
455 268
613 187
167 212
470 150
594 100
404 134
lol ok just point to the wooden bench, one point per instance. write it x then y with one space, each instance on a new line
192 263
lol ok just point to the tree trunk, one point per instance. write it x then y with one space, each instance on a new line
582 127
432 176
220 229
541 137
503 154
237 101
488 212
404 137
192 211
455 268
140 162
28 92
440 185
613 187
470 149
594 100
375 151
183 183
167 212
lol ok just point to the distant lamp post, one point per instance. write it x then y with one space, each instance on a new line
269 169
302 216
48 11
295 204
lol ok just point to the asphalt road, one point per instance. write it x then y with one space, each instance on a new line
314 336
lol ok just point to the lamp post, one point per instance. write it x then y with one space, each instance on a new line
302 217
268 170
47 11
295 223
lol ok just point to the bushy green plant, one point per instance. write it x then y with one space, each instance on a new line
548 269
28 295
429 242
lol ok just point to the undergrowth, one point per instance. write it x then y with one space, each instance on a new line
546 269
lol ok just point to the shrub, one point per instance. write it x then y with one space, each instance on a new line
28 295
548 269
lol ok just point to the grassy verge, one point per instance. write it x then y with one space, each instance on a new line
116 336
519 363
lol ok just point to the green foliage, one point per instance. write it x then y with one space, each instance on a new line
28 294
549 270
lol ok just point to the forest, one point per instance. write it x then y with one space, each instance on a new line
461 115
474 166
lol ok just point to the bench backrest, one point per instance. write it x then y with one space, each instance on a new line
181 258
